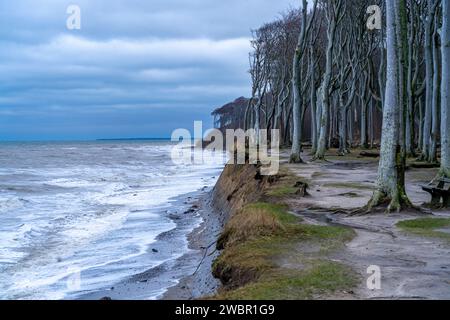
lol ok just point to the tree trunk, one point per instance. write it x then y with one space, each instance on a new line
421 122
297 118
256 125
313 102
350 126
445 91
410 124
432 154
342 131
363 143
389 183
371 124
296 82
325 98
429 83
318 116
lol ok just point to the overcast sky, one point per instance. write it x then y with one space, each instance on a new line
135 69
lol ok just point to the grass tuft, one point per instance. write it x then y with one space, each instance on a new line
426 227
321 277
282 191
255 220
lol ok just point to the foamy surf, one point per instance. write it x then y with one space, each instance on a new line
79 217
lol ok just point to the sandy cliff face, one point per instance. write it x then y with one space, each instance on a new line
237 186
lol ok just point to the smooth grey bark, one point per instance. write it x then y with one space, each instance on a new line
313 101
429 72
342 114
256 125
297 112
382 73
363 128
318 117
371 124
334 14
413 70
410 100
445 91
388 187
421 122
364 100
402 57
435 124
296 82
343 147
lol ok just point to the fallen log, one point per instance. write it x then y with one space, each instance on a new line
423 165
368 154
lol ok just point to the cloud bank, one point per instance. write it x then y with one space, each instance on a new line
135 69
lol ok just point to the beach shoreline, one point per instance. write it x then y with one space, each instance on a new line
202 243
186 277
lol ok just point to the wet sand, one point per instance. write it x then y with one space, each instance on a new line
187 277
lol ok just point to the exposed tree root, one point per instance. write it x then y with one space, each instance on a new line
382 202
344 151
295 158
443 173
319 158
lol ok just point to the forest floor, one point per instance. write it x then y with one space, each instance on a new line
414 263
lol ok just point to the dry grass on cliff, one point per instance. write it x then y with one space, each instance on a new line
258 241
254 221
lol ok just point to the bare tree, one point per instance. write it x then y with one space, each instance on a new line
322 68
445 91
429 74
335 12
390 182
298 87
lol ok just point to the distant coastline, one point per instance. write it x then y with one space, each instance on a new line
135 139
81 140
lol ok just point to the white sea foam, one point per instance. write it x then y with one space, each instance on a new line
10 203
71 183
95 209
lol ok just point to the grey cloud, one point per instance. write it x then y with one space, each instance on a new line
143 65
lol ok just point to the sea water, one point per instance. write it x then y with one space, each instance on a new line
76 216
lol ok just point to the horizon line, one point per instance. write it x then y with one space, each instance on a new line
83 140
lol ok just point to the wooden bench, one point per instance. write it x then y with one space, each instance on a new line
438 189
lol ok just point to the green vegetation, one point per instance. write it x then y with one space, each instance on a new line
426 227
255 221
282 191
287 185
321 277
258 242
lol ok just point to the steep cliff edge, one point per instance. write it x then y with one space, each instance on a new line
237 186
267 252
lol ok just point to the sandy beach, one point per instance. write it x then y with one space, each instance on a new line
189 276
